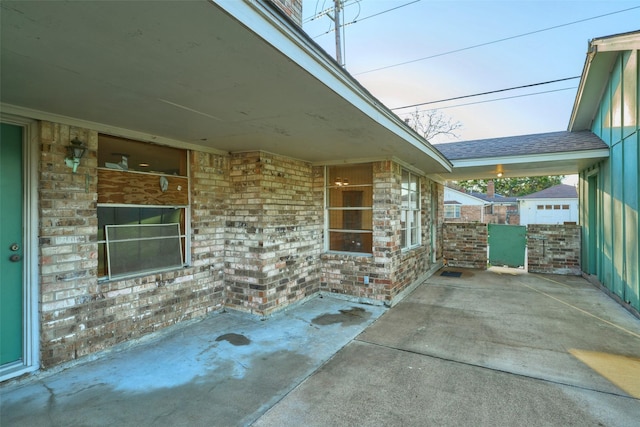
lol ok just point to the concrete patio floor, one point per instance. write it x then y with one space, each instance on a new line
498 347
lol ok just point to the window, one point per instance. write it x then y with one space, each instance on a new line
452 211
143 208
410 210
349 192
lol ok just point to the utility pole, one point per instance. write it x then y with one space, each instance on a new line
336 22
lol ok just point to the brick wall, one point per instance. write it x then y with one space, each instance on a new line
79 315
465 245
468 213
291 8
274 233
554 249
347 274
257 224
390 270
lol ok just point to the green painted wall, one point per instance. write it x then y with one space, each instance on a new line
610 191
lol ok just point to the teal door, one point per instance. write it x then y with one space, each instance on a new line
11 251
507 245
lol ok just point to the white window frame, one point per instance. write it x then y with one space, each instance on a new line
328 209
409 209
455 211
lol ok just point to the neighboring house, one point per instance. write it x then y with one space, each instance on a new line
462 207
607 105
554 205
157 169
499 209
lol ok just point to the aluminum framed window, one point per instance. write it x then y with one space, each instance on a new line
125 229
135 249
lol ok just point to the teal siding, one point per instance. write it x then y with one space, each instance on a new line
610 191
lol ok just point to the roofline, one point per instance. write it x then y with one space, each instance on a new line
530 158
601 55
297 45
467 195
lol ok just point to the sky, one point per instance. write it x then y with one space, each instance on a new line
546 40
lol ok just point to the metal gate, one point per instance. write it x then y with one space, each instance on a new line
507 245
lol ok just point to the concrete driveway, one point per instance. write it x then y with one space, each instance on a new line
500 347
494 348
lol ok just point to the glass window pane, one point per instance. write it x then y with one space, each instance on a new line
414 236
405 179
414 183
415 201
344 176
125 154
405 198
153 248
350 242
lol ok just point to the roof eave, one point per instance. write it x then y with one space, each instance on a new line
310 56
599 62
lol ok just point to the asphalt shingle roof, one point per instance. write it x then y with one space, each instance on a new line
561 191
497 198
523 145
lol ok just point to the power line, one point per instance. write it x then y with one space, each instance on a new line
328 10
486 93
384 11
354 21
494 41
504 98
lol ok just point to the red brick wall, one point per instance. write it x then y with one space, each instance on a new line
468 213
465 245
257 224
554 249
79 315
274 233
390 270
291 8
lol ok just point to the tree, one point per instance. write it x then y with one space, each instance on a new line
512 187
432 124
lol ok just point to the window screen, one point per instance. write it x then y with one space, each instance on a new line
134 249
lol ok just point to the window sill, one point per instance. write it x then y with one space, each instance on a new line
338 254
147 274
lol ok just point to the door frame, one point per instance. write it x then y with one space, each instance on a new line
30 289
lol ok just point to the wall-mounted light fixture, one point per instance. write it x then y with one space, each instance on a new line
499 174
75 151
499 171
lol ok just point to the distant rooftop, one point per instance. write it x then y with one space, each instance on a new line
523 145
561 191
497 198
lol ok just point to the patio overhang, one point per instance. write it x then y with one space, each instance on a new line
220 76
555 153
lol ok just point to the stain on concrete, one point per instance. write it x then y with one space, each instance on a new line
353 316
234 339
